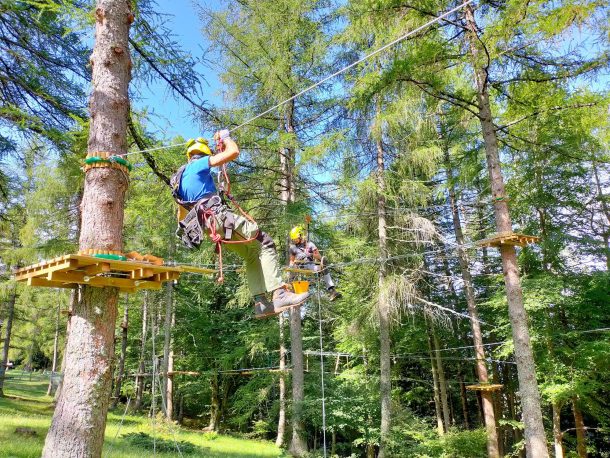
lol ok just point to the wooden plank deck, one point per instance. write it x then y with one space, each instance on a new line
129 276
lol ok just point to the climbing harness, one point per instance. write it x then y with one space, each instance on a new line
205 214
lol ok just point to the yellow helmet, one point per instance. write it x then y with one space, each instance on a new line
297 232
197 146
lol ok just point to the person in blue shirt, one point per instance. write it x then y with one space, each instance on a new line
196 192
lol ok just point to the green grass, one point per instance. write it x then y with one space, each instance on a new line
27 405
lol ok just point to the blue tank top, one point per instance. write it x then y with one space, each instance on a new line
196 180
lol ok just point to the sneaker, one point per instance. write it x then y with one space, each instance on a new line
262 307
333 294
284 299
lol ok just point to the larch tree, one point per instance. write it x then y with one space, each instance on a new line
83 402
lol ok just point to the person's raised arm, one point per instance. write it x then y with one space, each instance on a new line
227 149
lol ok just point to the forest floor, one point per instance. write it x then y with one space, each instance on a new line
26 405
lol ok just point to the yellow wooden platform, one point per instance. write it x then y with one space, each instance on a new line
297 270
129 276
484 387
508 238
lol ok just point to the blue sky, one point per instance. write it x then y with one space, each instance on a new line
172 116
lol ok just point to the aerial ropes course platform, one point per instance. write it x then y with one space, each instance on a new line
130 272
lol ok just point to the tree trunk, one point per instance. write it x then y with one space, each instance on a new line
442 382
298 445
535 438
214 404
166 346
437 396
169 396
141 366
493 450
581 431
383 310
74 298
7 337
463 398
83 402
281 422
557 434
121 369
51 386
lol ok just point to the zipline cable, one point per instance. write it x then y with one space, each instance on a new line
329 77
353 64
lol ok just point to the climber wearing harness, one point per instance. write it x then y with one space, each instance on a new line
305 254
194 189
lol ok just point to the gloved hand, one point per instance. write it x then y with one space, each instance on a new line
221 136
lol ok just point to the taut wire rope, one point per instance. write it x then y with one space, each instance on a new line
329 77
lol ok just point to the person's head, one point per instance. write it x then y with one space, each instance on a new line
298 234
196 148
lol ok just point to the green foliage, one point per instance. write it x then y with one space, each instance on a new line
145 441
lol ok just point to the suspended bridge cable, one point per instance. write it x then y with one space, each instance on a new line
327 78
353 64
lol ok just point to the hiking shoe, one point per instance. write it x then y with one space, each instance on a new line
262 307
284 299
333 294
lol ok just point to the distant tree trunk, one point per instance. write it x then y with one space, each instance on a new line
167 347
55 349
298 445
214 404
83 402
442 381
74 298
581 431
557 434
535 438
281 422
170 381
180 416
463 398
383 309
436 392
10 315
493 449
121 368
141 366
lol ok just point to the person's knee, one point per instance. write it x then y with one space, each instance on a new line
266 240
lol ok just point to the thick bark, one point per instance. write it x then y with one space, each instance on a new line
121 368
281 422
535 438
83 403
581 430
51 386
141 366
488 411
557 434
383 310
7 337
